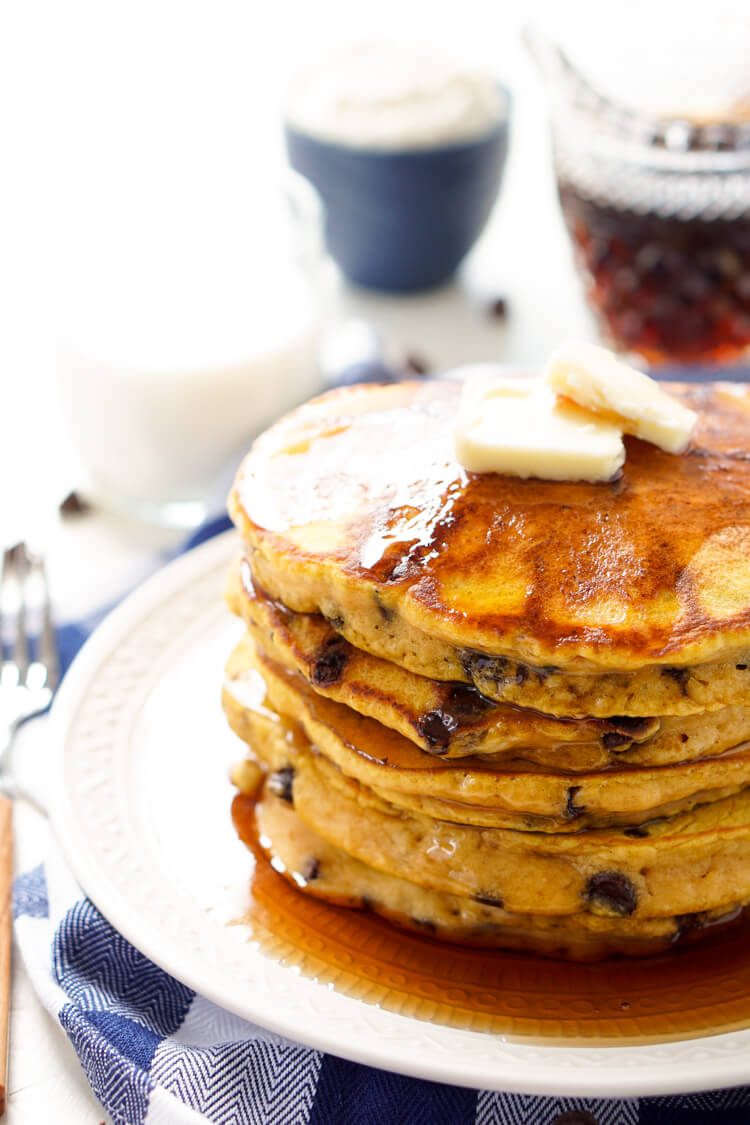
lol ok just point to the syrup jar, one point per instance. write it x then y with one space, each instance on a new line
657 204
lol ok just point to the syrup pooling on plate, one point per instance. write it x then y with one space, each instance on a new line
683 994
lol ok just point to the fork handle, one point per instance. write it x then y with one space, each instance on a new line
6 881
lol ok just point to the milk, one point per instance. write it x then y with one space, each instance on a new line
169 362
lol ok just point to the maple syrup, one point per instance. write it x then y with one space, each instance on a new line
701 989
670 288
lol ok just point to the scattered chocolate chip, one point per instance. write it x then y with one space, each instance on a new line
612 890
687 923
425 924
385 610
683 738
496 668
741 667
575 1117
638 832
545 672
329 665
572 810
490 900
629 724
679 675
498 308
416 364
280 784
466 701
436 727
311 869
614 740
74 505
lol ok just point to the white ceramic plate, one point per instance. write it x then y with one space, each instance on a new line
143 817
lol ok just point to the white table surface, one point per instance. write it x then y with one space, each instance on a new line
524 257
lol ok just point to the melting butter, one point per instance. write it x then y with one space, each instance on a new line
596 379
521 427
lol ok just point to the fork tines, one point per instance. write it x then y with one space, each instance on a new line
29 648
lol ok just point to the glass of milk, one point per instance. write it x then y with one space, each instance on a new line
180 337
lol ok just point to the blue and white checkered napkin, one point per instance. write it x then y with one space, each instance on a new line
155 1053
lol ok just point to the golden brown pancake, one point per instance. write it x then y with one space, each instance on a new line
453 721
686 864
318 868
449 719
354 506
478 792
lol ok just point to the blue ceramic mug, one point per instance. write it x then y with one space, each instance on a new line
403 220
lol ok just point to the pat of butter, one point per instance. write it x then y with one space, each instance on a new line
598 380
520 427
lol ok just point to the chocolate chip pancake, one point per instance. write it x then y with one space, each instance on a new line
319 868
473 791
686 864
449 719
455 721
431 567
505 711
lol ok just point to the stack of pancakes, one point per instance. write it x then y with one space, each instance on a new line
502 711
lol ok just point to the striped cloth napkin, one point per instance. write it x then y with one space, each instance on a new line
156 1053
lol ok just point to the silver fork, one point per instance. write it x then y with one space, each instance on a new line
30 669
29 675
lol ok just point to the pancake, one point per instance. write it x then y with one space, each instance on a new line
444 718
589 599
455 722
474 791
318 868
687 864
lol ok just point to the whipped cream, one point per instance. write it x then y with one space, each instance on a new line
387 97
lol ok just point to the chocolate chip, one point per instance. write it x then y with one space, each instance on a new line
74 505
436 727
467 701
612 890
522 674
613 740
683 738
311 869
498 308
572 810
496 668
637 833
490 900
575 1117
280 784
425 924
385 610
741 667
330 664
629 724
416 364
679 675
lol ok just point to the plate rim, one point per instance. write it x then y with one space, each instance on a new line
554 1077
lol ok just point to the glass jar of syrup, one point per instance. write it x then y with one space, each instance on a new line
659 215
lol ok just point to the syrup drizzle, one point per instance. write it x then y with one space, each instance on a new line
703 989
